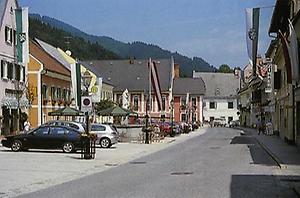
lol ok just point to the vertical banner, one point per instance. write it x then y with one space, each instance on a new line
22 46
293 52
78 84
125 99
252 31
155 83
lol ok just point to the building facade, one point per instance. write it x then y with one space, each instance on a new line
13 57
221 98
49 82
133 76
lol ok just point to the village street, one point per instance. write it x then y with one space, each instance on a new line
211 162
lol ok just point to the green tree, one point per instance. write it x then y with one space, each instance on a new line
224 68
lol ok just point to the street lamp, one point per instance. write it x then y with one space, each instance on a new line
87 78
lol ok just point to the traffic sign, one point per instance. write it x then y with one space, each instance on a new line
86 104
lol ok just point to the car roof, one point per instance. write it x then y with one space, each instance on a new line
62 126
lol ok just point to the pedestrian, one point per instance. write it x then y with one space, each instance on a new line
27 126
259 126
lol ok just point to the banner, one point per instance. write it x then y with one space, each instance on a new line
293 52
22 38
252 30
155 83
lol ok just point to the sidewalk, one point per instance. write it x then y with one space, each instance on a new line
286 156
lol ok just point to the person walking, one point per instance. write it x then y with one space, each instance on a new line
259 126
27 126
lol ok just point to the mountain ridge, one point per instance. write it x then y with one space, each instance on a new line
135 49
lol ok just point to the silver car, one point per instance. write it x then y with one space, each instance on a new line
106 135
73 124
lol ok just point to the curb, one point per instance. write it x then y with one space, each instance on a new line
272 155
297 191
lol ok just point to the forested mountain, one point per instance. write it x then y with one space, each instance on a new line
138 50
80 48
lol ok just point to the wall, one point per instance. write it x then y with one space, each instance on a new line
222 109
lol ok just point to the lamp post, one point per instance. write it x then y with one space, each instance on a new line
87 78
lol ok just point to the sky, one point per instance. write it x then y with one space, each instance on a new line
211 29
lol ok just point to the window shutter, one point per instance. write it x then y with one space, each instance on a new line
10 71
6 33
24 74
18 72
2 68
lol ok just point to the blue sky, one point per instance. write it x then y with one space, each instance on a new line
211 29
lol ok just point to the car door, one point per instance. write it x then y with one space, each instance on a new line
57 136
37 138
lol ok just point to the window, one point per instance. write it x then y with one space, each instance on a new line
41 131
212 105
119 100
58 92
53 91
55 131
17 72
23 73
183 117
194 101
8 35
183 100
163 103
98 128
230 105
44 92
230 119
10 71
3 69
14 37
135 103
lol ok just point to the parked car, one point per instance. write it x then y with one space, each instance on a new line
46 137
234 123
73 124
165 127
219 122
107 135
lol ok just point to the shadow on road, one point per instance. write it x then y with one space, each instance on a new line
261 186
258 154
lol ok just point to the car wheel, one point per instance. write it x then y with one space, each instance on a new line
16 145
68 147
105 143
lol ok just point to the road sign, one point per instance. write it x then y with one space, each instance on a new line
86 104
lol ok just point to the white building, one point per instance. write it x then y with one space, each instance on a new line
220 100
13 58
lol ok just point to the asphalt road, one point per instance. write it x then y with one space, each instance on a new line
219 163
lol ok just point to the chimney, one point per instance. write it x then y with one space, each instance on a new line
176 70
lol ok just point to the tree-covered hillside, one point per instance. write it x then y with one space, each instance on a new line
80 48
138 50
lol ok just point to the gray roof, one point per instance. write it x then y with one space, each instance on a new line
219 84
193 86
2 11
52 51
132 76
3 4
